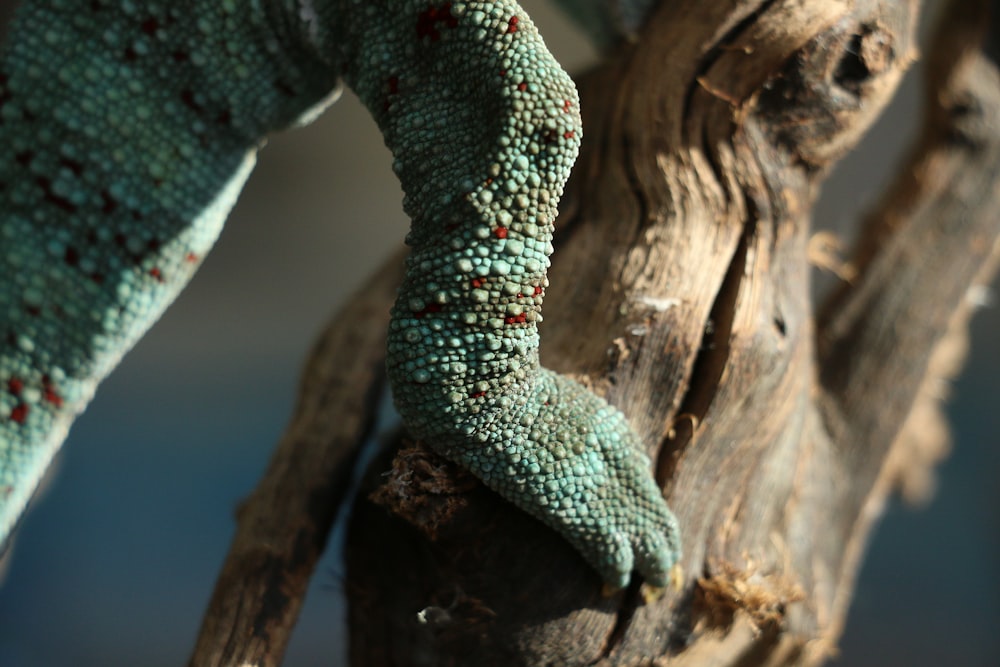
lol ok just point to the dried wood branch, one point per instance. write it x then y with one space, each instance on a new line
680 291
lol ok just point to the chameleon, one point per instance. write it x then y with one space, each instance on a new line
127 130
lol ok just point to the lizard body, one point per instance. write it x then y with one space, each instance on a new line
127 131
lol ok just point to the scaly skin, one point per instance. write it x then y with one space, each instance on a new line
131 128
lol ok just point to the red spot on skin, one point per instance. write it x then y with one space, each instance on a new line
516 319
150 26
478 394
500 232
98 278
522 86
180 56
15 386
503 72
428 20
538 290
431 308
512 25
130 55
156 273
569 135
567 105
51 395
191 258
478 282
20 413
34 311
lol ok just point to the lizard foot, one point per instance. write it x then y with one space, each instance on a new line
571 460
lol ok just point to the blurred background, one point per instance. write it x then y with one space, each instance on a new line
116 561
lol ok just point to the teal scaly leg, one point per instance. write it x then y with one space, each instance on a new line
132 127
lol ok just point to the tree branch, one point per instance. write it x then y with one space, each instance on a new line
679 290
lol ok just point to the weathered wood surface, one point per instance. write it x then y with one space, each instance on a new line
680 289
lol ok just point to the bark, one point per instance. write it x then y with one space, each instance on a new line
680 290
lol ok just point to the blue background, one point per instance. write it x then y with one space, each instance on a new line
116 561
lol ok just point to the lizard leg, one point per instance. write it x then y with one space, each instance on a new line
132 128
484 126
126 132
